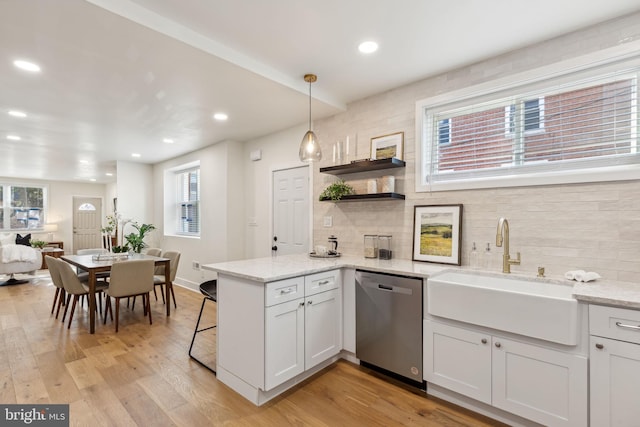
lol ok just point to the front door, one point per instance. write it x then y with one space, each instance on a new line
87 222
291 210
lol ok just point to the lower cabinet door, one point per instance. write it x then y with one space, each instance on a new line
323 327
458 359
284 342
540 384
615 383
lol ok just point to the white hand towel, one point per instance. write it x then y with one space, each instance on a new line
571 275
587 277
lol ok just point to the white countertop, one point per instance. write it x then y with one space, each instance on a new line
281 267
269 269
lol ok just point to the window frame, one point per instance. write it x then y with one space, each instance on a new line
6 206
596 67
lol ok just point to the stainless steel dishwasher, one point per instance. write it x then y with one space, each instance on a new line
389 324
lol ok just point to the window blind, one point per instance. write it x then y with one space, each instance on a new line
563 127
188 202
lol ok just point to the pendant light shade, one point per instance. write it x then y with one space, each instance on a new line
310 146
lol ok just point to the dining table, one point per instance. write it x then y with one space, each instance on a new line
94 264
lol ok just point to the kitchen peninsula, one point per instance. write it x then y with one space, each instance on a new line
284 318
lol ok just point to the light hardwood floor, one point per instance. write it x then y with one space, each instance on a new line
143 375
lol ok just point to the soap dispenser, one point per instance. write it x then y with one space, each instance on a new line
474 257
487 258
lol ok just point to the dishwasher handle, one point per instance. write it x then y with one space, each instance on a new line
387 288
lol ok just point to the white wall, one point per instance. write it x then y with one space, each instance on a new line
135 199
279 151
563 227
221 210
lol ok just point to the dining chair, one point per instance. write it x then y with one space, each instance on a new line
159 278
60 294
130 279
74 286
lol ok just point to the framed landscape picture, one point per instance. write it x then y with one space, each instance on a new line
387 146
437 233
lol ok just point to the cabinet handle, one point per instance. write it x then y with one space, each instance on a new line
286 291
599 346
323 282
309 302
622 325
483 340
301 304
498 345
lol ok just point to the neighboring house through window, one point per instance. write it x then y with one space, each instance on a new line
22 207
568 128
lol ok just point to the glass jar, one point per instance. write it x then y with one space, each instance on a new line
371 246
384 247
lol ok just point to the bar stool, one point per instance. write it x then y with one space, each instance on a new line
210 291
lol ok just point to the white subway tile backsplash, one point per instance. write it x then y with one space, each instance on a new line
595 227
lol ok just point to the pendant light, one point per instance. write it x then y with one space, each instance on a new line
310 147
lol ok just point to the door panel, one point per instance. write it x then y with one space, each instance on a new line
87 222
291 210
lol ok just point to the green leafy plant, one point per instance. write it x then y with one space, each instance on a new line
120 249
136 240
38 244
336 190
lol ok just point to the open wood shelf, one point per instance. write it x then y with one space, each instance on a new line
375 196
364 166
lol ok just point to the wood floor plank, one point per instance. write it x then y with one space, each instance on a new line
143 375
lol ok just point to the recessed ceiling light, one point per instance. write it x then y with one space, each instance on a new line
168 141
220 116
368 47
14 137
84 162
108 174
135 155
15 113
92 179
27 66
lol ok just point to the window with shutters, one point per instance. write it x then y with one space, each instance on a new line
557 130
188 203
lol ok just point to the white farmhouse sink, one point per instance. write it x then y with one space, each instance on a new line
527 307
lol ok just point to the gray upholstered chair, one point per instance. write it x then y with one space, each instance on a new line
129 279
154 251
159 279
54 272
74 286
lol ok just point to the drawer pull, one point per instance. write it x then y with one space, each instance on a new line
599 346
622 325
323 282
483 340
286 291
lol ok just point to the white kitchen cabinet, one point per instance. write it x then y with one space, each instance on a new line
284 342
614 350
537 383
458 359
300 333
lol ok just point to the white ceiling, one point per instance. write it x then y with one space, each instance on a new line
119 76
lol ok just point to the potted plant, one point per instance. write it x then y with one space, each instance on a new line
136 240
336 190
38 244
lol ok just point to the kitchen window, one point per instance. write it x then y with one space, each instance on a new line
188 203
579 127
22 207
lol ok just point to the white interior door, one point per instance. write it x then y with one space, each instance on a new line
87 222
291 211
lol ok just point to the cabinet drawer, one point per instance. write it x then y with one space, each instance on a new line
617 323
320 282
283 291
